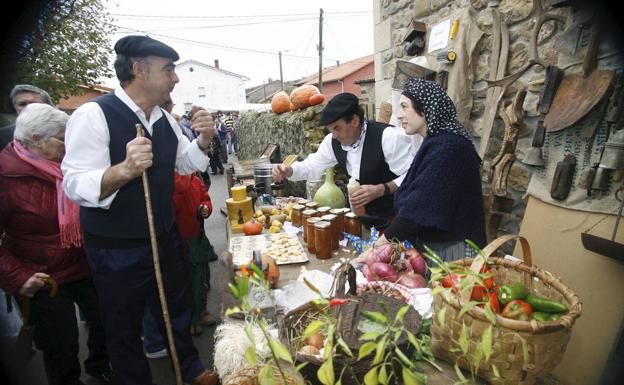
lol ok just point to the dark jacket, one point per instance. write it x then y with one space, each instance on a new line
28 217
440 199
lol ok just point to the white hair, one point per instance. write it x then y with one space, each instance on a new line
41 119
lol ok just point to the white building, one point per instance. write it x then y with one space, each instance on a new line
207 86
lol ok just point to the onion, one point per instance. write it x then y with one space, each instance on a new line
385 271
368 273
384 253
417 261
329 194
412 281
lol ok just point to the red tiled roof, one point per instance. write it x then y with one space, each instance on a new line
338 72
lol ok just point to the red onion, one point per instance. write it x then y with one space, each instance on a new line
384 253
368 273
417 261
412 281
385 271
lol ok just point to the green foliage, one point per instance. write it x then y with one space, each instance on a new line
70 46
391 363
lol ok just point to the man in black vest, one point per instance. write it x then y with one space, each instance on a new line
375 154
102 171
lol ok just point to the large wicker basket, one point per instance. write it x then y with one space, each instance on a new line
546 341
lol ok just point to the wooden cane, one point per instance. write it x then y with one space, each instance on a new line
159 280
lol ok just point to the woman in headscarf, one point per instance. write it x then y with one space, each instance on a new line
439 204
42 239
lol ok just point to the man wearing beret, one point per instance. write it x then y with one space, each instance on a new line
374 153
102 171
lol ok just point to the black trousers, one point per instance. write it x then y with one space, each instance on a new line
56 332
126 284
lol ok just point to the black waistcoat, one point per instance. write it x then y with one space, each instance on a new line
127 216
373 167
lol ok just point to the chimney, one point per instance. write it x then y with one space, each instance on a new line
216 63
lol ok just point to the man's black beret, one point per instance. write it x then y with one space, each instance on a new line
340 106
144 46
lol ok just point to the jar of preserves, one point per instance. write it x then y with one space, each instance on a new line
303 201
297 215
353 225
310 231
339 213
331 218
304 220
323 210
322 239
312 205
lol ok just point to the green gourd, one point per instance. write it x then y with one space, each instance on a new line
329 194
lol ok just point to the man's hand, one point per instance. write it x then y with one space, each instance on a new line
33 285
139 157
203 211
203 123
365 194
281 172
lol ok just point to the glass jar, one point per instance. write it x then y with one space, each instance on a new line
312 205
339 213
297 215
323 210
331 218
302 201
304 222
353 225
322 239
310 231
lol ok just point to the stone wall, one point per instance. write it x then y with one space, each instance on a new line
392 23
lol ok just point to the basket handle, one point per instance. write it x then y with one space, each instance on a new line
490 249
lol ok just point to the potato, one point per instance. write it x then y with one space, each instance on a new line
267 209
310 350
281 218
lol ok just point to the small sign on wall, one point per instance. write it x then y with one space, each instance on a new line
438 38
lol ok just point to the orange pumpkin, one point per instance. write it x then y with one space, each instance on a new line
316 99
252 227
300 96
280 102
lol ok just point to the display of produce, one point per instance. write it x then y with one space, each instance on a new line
283 247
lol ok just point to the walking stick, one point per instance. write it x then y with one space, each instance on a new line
159 280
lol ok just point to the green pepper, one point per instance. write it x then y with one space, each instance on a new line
541 304
513 291
541 316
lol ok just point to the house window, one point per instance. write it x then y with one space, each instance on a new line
201 91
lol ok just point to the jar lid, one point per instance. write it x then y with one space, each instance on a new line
312 204
298 207
303 201
351 215
337 211
309 212
328 217
322 225
313 220
324 208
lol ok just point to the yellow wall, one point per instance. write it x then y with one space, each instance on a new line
554 236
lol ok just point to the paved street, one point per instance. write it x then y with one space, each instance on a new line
162 369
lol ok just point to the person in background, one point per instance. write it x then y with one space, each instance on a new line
439 203
42 239
376 154
229 124
103 167
223 138
22 95
216 151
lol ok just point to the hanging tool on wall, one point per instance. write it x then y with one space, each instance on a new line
446 57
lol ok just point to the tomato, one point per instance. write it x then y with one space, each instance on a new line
451 280
315 340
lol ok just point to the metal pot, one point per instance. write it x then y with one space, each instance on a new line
263 178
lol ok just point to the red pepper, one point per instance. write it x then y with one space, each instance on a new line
518 309
493 301
479 293
451 280
488 282
337 302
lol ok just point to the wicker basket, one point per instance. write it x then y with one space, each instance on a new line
249 376
546 341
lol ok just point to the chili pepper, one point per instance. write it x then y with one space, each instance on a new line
488 282
493 301
541 316
541 304
337 302
513 291
479 293
517 309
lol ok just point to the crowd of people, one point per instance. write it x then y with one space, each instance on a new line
73 212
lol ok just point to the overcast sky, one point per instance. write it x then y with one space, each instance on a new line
246 35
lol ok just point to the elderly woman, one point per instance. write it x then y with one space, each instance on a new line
42 239
439 204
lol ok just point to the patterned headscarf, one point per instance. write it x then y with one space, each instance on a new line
440 113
